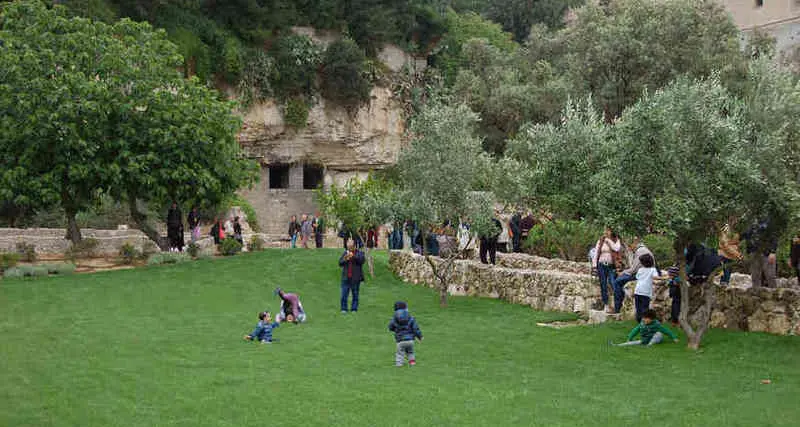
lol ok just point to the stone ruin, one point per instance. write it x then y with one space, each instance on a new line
557 285
333 147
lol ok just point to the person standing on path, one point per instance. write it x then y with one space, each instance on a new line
762 243
175 228
319 230
194 224
351 261
629 275
294 229
606 250
306 228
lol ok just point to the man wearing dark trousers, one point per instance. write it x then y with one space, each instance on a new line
351 262
489 242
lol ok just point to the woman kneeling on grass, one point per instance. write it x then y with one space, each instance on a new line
651 331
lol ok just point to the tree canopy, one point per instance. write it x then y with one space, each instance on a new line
96 109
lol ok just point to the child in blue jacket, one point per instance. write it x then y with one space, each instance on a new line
405 330
263 330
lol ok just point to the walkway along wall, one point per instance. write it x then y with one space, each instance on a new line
556 285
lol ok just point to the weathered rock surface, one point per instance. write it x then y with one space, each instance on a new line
370 138
775 311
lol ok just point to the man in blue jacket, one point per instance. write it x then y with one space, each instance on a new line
351 262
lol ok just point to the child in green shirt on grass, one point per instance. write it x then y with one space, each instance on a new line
651 331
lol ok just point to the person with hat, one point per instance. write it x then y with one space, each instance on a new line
291 307
674 284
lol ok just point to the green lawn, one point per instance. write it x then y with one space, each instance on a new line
162 346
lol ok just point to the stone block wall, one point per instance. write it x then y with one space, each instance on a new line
537 282
51 241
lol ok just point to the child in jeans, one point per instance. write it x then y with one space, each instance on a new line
651 331
263 330
405 330
674 293
644 285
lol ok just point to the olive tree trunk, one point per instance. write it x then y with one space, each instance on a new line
140 218
702 316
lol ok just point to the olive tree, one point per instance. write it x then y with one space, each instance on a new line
438 172
681 165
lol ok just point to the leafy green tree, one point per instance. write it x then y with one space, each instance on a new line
553 165
461 28
106 114
343 79
518 16
615 53
438 173
507 91
682 165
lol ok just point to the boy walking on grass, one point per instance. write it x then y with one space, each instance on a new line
405 330
263 330
651 332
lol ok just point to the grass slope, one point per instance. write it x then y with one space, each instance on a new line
162 346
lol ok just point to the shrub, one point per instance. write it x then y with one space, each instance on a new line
256 244
343 75
296 59
8 260
128 253
26 271
570 240
14 273
86 248
295 114
254 85
193 250
26 251
63 269
162 258
230 246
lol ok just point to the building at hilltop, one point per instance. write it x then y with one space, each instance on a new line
779 18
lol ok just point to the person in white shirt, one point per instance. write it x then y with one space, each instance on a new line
644 285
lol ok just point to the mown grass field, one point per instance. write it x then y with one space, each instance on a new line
163 346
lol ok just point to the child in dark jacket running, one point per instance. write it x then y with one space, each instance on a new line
651 331
405 330
263 330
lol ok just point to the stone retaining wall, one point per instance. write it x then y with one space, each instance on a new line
764 310
51 241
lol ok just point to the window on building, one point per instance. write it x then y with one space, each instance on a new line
759 3
313 176
278 176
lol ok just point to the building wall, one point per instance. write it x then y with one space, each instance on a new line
781 18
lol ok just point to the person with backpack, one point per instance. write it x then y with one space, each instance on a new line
603 260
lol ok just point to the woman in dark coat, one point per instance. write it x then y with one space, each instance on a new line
175 228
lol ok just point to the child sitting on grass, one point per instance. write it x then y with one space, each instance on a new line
263 330
651 331
405 329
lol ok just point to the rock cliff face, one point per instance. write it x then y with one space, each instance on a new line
371 138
